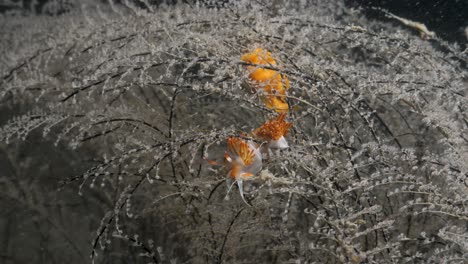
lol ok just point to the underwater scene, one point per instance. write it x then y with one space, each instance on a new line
233 131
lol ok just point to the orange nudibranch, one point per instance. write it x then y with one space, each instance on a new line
273 83
274 131
244 157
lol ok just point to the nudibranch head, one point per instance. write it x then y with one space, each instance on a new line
274 131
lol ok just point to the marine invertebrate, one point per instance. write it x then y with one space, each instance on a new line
245 159
273 84
273 132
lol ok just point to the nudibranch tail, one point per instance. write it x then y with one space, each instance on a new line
241 191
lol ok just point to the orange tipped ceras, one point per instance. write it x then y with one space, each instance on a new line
271 81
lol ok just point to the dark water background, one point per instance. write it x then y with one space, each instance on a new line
448 18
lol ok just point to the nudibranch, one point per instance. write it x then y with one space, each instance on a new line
274 132
273 83
245 159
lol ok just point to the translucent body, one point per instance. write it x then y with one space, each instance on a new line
245 159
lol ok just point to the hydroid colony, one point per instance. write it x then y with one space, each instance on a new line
376 171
